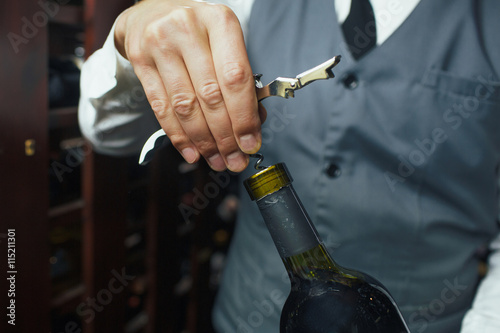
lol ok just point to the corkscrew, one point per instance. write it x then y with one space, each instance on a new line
260 159
286 86
281 86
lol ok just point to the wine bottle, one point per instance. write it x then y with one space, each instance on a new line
324 297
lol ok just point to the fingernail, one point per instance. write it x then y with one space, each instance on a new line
248 143
236 161
216 162
189 155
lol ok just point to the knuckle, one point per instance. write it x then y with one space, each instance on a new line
246 123
206 147
182 19
159 107
155 33
139 58
224 14
135 55
179 21
184 105
210 94
235 74
178 139
226 142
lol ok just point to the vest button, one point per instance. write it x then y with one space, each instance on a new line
333 170
350 81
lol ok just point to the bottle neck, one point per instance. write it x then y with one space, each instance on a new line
294 235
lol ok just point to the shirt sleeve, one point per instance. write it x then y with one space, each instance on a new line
114 113
484 316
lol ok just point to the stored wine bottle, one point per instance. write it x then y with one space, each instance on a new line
324 297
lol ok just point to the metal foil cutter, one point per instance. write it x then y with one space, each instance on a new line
281 86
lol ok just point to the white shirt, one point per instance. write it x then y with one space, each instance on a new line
389 14
111 97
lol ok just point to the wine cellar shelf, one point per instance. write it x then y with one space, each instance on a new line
101 245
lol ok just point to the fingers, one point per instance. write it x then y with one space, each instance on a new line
185 108
193 66
153 86
234 75
198 59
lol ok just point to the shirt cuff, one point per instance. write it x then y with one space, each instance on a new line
484 316
114 114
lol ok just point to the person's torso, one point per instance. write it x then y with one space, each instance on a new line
396 160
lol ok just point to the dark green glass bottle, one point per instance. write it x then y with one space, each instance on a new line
324 297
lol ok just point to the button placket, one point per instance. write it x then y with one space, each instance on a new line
333 170
350 81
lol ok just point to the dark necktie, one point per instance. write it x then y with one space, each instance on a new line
359 28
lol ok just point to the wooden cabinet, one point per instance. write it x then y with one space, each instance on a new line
37 171
23 166
101 245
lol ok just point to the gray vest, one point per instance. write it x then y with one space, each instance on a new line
396 160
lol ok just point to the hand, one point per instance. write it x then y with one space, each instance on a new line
191 59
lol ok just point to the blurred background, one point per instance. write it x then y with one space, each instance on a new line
101 243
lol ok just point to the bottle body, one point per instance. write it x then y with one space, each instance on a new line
338 300
324 297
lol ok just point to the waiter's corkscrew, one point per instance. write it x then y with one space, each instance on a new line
282 86
260 159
